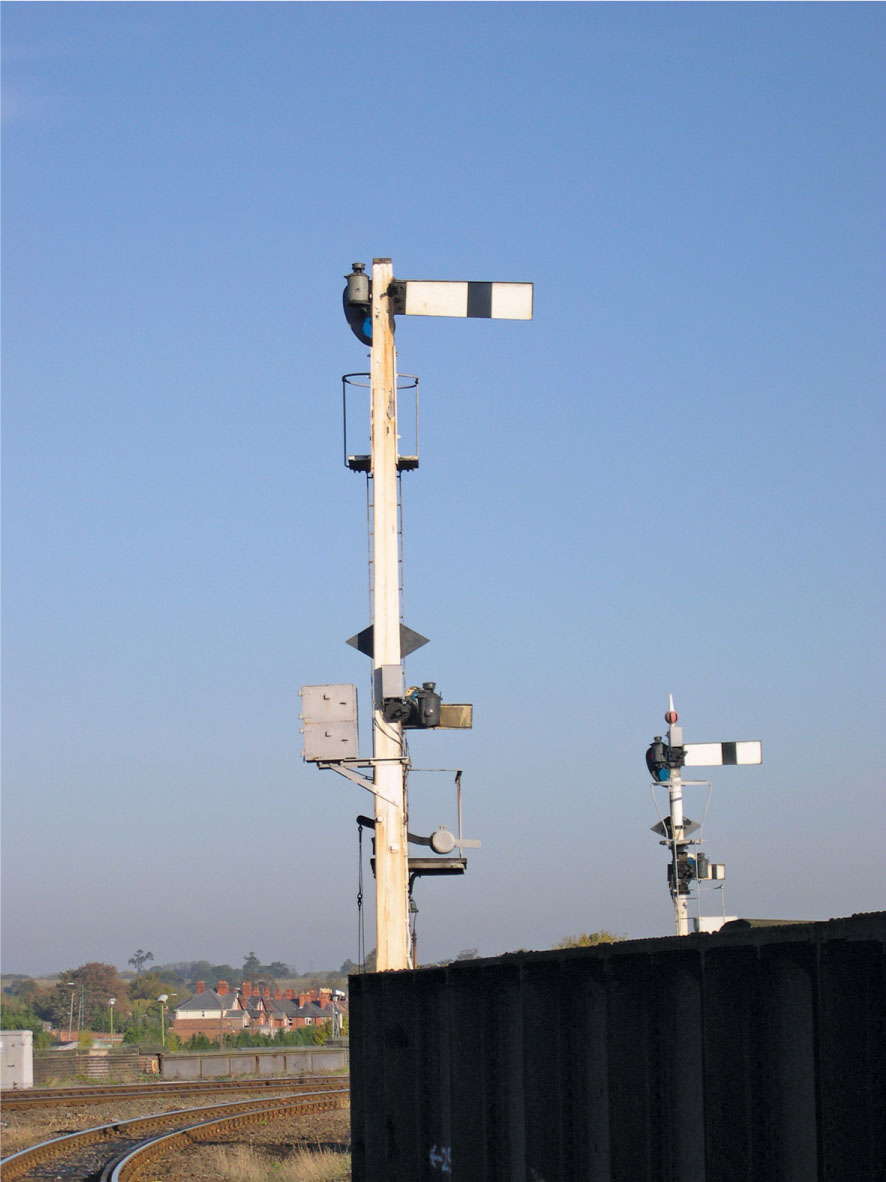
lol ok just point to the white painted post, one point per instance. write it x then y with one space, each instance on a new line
681 902
391 850
675 793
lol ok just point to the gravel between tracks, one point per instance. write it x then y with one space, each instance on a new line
276 1140
21 1129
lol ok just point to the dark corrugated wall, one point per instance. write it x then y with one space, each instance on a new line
746 1056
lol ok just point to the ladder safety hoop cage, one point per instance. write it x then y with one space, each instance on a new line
361 461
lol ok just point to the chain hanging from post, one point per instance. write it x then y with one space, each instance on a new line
361 929
402 587
413 918
369 539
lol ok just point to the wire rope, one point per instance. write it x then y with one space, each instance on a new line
361 929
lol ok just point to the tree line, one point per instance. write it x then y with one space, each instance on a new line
80 1000
95 997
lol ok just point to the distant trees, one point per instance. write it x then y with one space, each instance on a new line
94 984
149 986
201 970
23 988
78 1000
17 1014
80 997
139 959
188 972
589 939
144 1024
60 1004
253 968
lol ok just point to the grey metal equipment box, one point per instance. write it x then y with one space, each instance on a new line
17 1058
329 722
388 682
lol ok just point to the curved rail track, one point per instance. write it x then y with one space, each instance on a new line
118 1152
103 1093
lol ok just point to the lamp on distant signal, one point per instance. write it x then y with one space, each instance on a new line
357 303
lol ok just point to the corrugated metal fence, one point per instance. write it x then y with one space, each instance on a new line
745 1056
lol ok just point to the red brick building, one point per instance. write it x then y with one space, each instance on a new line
256 1008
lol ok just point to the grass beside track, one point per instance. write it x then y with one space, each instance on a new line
244 1163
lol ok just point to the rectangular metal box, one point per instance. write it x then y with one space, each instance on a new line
17 1058
329 722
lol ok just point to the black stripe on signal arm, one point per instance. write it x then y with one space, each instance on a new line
480 299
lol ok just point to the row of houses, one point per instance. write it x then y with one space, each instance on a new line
258 1009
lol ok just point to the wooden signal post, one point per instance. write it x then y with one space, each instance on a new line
330 712
391 848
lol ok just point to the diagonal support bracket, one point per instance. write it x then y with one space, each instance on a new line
348 769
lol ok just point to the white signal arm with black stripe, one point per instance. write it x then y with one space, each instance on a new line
723 754
445 297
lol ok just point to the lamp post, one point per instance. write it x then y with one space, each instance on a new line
72 985
112 1001
163 999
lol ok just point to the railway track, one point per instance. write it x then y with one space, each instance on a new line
119 1152
101 1093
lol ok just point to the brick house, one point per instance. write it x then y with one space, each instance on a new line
255 1008
210 1012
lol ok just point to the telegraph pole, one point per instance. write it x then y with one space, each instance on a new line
391 850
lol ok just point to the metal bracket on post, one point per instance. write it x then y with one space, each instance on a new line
348 769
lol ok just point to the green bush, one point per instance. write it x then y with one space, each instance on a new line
18 1015
200 1042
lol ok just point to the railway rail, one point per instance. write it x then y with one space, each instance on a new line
12 1098
120 1151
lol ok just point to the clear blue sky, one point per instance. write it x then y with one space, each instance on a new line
670 481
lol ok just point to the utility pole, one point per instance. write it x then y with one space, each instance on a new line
391 850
